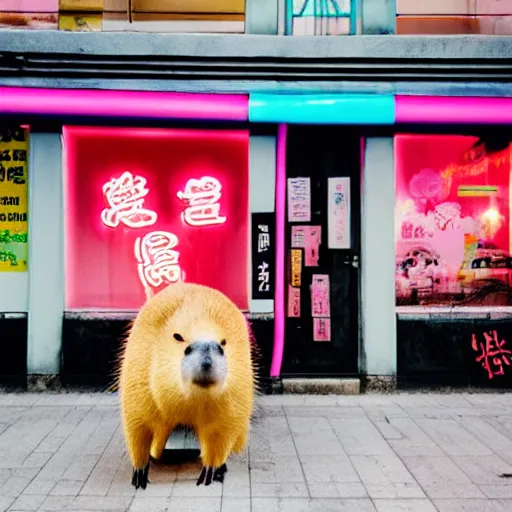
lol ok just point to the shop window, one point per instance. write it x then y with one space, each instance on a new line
453 220
14 198
149 207
454 17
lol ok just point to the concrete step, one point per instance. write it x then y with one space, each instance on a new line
315 386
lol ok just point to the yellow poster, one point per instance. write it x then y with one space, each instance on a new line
296 267
13 199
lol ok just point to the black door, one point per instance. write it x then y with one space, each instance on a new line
322 289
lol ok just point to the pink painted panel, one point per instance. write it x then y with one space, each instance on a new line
459 110
136 104
493 7
280 271
29 5
425 7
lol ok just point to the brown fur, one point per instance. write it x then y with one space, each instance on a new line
153 397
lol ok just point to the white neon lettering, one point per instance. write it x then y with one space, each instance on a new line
202 197
158 262
125 197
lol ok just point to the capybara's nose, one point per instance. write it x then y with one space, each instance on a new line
206 364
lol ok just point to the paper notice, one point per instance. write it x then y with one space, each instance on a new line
296 257
320 303
293 302
338 213
298 236
299 200
321 329
311 245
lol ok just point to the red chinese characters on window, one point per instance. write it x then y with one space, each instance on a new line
493 354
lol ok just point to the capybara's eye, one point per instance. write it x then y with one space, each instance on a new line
223 343
178 337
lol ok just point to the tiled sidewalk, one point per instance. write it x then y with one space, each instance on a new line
385 453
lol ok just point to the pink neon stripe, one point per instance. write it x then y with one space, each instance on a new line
135 104
459 110
279 297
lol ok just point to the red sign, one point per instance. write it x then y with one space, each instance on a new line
149 207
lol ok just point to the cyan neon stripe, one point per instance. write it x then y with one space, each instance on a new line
322 108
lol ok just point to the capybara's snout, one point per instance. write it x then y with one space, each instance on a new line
204 363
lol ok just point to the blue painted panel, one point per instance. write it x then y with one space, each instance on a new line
322 108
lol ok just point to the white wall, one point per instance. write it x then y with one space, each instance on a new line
378 258
46 254
262 184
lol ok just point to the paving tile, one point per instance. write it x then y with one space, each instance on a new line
359 436
39 486
328 469
414 440
28 502
404 506
385 476
189 488
14 486
67 488
484 469
337 490
6 502
323 412
314 436
236 505
143 503
110 503
313 505
497 491
286 469
194 504
472 506
453 438
439 477
282 490
57 503
237 482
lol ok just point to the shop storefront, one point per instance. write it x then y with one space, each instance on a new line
364 236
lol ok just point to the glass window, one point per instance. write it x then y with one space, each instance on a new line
452 220
149 207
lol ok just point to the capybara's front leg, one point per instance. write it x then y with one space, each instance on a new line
215 450
138 441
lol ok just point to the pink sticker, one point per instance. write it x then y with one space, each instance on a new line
293 302
321 329
313 235
320 303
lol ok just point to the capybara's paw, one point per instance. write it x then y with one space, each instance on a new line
140 477
218 474
208 474
205 476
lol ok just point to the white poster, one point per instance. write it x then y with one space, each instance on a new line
338 213
299 200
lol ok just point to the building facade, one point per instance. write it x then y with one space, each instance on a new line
351 194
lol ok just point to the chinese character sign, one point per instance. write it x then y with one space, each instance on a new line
492 353
263 255
150 207
13 200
